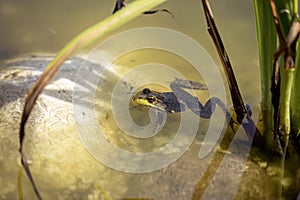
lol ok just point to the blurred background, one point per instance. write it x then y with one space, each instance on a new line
46 26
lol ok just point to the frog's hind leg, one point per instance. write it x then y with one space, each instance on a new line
206 111
193 85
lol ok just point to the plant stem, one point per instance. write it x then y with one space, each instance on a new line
295 101
295 10
295 110
267 44
287 81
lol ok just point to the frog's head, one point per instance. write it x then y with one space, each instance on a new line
149 98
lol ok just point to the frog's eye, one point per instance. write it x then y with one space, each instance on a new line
151 99
146 91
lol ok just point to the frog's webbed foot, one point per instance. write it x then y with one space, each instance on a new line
249 110
232 122
182 83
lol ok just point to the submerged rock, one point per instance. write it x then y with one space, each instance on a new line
61 166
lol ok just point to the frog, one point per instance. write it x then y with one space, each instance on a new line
179 100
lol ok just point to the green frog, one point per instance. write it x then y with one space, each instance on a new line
179 100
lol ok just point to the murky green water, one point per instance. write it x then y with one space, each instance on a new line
37 26
61 165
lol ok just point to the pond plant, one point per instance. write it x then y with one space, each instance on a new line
278 41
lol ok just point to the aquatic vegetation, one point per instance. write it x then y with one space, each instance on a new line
278 29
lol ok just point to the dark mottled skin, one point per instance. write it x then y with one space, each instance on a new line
180 100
